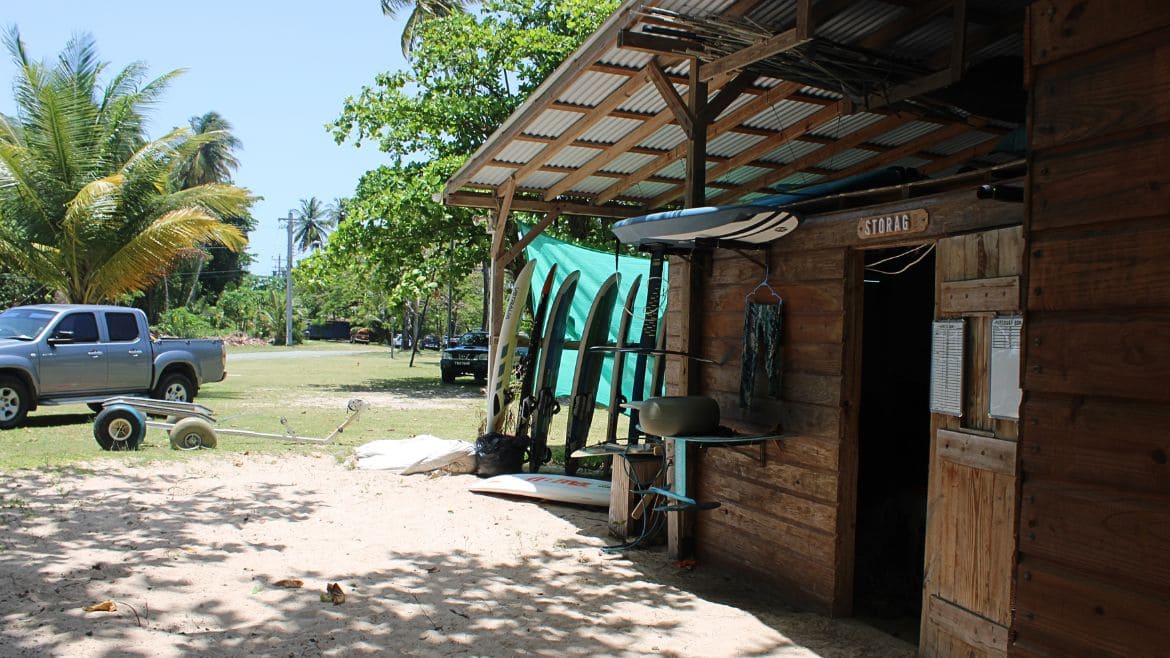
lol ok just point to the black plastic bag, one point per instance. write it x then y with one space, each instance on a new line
499 454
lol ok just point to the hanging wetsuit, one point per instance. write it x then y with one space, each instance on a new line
762 330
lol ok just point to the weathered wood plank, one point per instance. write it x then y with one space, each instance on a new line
762 503
976 451
1110 442
1119 88
977 632
950 213
1123 178
733 268
798 327
980 295
1125 266
1122 356
1065 523
799 298
1068 613
740 546
789 478
1063 28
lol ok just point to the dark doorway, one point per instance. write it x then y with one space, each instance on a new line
894 438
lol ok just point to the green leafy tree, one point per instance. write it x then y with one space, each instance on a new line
468 73
420 11
88 207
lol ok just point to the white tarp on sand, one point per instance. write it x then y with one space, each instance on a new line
421 454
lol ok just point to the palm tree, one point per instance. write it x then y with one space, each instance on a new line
420 10
213 162
88 206
311 224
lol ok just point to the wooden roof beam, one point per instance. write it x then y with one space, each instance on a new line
674 102
657 45
624 145
919 14
466 199
725 124
847 142
599 112
789 133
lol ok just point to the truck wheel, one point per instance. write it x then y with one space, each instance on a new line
14 401
192 433
174 387
448 376
119 427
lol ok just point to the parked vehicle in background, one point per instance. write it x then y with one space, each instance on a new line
468 357
360 335
429 342
54 354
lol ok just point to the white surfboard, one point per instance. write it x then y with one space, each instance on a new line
546 486
506 351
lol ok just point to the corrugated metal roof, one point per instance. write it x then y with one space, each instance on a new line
591 88
609 130
581 82
551 123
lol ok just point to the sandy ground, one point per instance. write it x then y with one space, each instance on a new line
190 553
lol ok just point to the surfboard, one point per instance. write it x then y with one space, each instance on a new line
648 339
619 362
658 376
501 375
552 345
556 488
748 223
588 372
528 379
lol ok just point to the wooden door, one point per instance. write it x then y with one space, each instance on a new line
971 504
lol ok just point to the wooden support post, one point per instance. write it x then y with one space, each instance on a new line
680 525
623 501
696 180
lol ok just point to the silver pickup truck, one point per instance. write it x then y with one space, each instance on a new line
68 353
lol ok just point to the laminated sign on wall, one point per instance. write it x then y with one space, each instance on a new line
946 369
1005 368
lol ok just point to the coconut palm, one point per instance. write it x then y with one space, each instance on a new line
88 207
213 162
311 224
420 10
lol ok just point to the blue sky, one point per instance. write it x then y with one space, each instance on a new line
278 71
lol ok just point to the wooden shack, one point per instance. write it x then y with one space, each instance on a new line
975 362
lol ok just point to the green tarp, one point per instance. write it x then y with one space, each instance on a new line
595 267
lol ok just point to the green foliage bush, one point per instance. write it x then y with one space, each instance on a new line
183 323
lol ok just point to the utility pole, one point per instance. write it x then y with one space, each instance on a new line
288 323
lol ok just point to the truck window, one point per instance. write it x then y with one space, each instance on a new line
122 327
83 326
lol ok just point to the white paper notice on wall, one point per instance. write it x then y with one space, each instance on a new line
946 369
1005 368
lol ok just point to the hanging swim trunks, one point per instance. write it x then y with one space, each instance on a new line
762 331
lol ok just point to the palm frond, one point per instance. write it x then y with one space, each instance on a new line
142 260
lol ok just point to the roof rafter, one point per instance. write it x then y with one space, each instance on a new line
747 111
847 142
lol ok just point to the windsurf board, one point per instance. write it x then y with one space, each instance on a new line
556 488
497 399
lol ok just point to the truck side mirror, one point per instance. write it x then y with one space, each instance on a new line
60 338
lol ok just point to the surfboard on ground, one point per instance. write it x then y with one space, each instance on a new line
556 488
616 398
528 379
552 346
587 375
501 374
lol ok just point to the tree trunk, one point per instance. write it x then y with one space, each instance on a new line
419 318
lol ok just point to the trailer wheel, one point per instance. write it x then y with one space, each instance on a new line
119 427
192 434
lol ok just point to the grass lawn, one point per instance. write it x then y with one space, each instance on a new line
307 394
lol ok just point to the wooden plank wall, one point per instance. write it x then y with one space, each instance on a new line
779 514
1093 576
